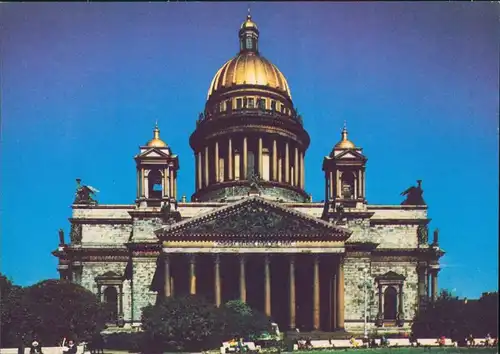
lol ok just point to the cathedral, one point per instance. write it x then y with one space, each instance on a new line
250 230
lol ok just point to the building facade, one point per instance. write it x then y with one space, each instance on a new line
251 231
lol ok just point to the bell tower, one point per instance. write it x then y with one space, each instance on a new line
345 173
156 173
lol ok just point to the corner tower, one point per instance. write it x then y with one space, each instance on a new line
345 173
249 138
157 170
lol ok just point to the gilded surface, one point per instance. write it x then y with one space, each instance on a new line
249 69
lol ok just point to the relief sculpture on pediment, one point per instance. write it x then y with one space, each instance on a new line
254 219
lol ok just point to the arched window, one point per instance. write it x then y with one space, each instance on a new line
155 185
390 303
347 185
111 298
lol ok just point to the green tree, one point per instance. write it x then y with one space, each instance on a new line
444 317
182 323
487 314
10 304
456 318
242 321
53 309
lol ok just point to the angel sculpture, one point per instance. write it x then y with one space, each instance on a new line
84 194
414 195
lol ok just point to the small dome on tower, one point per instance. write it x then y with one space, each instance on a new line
156 141
248 22
345 143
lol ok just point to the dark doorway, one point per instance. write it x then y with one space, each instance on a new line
111 300
390 303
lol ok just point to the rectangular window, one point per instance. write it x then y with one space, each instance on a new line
229 105
273 105
262 103
251 103
239 103
245 102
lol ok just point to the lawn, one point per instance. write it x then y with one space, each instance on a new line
433 350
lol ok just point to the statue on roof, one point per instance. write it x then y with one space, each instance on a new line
435 241
414 195
168 215
84 194
61 237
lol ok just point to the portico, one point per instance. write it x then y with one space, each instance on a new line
262 266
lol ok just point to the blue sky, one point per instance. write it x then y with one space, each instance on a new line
83 84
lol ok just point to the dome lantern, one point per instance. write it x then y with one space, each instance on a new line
345 143
156 141
249 36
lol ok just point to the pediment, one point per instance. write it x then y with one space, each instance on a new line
349 154
256 218
153 153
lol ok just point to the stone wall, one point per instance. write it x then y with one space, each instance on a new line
143 271
410 286
395 236
105 234
408 212
354 292
102 211
93 269
353 289
144 228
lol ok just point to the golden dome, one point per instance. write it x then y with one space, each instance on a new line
248 23
345 143
249 69
156 141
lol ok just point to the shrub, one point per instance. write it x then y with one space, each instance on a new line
182 324
242 321
133 342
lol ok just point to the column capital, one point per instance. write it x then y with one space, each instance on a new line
291 258
242 257
434 268
216 257
192 257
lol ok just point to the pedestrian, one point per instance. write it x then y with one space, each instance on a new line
71 348
36 347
